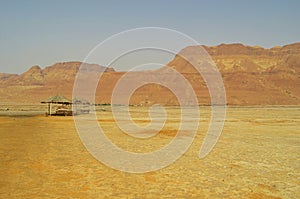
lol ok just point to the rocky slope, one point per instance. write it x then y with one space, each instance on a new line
251 75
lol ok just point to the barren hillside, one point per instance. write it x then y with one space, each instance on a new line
251 75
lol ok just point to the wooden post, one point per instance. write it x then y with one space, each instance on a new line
49 109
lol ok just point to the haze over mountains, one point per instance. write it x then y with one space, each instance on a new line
251 75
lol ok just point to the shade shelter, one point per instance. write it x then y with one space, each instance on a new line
57 99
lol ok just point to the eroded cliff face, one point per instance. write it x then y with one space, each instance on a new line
251 75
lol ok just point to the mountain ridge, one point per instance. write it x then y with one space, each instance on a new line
251 75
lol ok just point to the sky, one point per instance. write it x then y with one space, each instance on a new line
42 33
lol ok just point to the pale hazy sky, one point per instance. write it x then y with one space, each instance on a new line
41 33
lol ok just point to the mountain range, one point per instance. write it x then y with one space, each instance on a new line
252 75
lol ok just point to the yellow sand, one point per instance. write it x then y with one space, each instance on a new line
257 156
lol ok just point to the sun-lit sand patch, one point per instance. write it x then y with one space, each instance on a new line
257 156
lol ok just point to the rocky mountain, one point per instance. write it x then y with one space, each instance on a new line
252 76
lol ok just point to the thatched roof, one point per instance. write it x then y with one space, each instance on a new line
58 99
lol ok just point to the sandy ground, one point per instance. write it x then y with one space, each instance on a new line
257 156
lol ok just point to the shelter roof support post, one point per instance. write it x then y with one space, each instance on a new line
48 112
50 107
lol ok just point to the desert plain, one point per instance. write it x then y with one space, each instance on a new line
257 156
